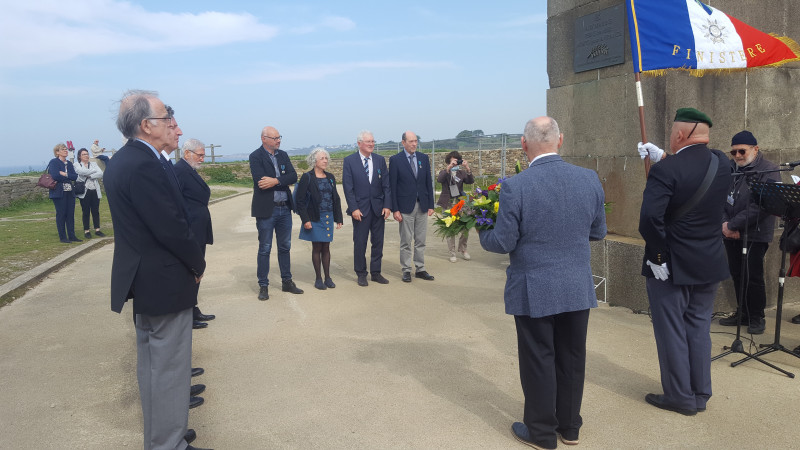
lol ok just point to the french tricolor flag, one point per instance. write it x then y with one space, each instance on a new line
688 34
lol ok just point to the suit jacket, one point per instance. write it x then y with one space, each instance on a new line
196 194
548 214
261 166
53 168
407 189
156 257
691 246
309 198
359 193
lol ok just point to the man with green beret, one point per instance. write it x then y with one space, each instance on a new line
684 258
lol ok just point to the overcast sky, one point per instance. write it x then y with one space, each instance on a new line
318 71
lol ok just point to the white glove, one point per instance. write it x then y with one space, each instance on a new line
655 153
661 272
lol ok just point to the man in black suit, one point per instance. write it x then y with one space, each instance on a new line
684 258
272 207
365 182
196 195
412 203
157 262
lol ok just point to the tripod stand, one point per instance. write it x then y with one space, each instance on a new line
780 200
736 345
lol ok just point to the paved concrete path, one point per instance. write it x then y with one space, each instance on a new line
425 365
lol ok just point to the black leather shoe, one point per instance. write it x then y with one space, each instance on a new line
329 283
197 371
196 389
263 293
757 326
658 402
522 434
407 277
99 233
289 286
190 436
424 275
730 321
796 350
362 280
189 447
194 402
378 278
204 317
87 235
196 324
796 319
65 241
74 239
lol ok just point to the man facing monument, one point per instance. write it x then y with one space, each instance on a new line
684 258
546 230
157 263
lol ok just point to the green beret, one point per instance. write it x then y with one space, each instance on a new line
693 116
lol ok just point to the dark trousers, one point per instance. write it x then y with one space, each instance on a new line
552 367
682 326
281 224
755 292
90 204
371 226
65 215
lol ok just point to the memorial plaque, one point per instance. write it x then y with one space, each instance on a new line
600 39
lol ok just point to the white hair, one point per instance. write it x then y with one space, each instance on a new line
364 134
192 144
312 157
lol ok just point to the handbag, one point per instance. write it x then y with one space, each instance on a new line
46 181
79 187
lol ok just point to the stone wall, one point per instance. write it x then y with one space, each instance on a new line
597 112
14 189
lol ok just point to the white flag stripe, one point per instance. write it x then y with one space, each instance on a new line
717 45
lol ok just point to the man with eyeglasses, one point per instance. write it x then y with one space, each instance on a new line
157 263
196 195
740 215
684 258
272 207
365 182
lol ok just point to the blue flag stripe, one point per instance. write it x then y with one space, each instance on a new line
656 27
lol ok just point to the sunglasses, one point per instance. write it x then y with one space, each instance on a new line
740 151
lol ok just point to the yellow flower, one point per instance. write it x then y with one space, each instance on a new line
449 220
496 207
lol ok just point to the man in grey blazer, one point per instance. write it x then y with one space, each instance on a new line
548 214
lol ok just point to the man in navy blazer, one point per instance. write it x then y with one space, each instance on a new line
548 214
157 262
272 207
196 195
412 203
365 182
684 258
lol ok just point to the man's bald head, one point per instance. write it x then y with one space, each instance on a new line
685 134
541 136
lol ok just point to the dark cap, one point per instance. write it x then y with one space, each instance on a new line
745 138
692 115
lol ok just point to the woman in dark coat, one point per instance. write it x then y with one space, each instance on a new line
319 207
63 198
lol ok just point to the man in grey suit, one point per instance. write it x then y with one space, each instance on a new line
157 262
548 214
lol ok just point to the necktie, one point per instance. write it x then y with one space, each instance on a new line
366 167
413 166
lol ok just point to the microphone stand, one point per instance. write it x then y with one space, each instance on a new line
736 346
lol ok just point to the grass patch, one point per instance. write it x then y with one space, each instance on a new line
219 193
28 235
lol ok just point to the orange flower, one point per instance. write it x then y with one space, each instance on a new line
455 209
492 187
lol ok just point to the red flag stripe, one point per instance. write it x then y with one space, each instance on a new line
760 48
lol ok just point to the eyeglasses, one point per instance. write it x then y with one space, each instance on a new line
368 142
741 152
202 155
278 138
170 120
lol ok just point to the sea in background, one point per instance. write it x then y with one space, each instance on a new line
8 170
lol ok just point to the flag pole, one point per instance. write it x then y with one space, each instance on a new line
640 99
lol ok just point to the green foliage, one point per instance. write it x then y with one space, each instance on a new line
223 175
302 165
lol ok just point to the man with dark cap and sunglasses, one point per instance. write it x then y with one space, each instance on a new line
684 258
740 215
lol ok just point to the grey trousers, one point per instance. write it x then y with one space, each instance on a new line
682 326
414 227
163 367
